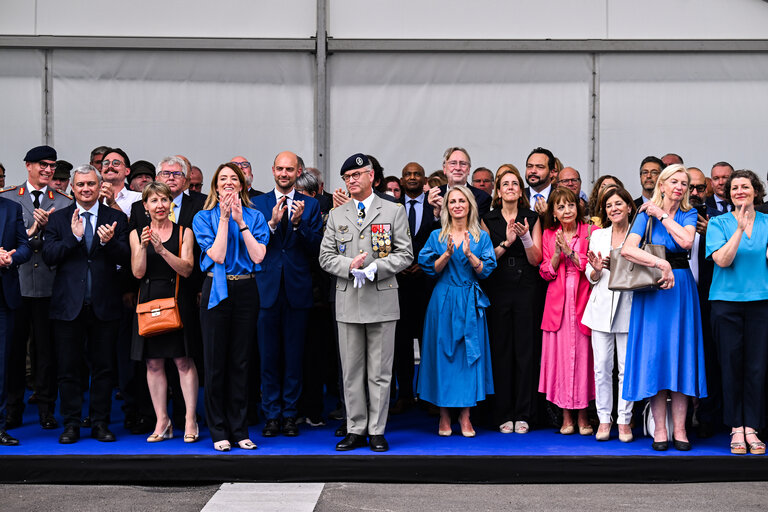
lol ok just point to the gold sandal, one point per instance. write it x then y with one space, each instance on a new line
757 447
738 447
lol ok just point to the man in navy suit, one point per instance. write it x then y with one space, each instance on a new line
285 292
456 165
414 286
13 252
86 241
717 204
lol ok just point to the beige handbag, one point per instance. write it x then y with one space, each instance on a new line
628 276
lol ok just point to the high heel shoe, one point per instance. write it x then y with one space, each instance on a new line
192 438
683 446
625 437
603 435
246 444
756 447
738 447
586 430
167 434
222 446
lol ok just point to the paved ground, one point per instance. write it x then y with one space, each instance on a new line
389 497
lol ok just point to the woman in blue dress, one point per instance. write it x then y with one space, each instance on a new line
665 352
455 366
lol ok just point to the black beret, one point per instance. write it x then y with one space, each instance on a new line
142 167
40 153
356 161
62 170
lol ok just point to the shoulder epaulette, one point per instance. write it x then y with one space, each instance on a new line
50 194
8 189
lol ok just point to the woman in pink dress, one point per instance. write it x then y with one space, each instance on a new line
566 356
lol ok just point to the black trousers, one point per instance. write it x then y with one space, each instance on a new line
413 293
742 341
6 331
95 339
228 331
32 322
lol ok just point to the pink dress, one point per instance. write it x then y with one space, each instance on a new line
567 377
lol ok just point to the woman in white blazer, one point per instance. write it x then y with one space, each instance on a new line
607 312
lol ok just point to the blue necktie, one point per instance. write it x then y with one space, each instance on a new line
412 216
88 235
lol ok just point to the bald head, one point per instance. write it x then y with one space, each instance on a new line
244 166
570 179
285 170
413 179
698 186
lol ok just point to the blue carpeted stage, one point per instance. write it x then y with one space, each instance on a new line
417 454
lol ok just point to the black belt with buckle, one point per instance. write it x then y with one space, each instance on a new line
235 277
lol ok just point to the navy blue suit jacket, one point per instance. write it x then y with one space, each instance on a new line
481 197
423 230
14 236
289 255
72 259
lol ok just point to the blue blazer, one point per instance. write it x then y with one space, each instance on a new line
14 236
72 259
289 255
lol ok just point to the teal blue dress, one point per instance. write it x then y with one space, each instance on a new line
455 368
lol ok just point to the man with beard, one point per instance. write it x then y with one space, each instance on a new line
115 169
650 168
538 167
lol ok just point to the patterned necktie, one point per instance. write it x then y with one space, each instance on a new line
36 200
412 216
360 213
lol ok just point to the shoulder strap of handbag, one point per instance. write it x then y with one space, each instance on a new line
176 292
646 235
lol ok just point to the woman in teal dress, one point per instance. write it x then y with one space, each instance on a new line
665 348
455 366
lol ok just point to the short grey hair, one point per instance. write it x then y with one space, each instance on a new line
86 169
316 172
173 160
449 152
307 182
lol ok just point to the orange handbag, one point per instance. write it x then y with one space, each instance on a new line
160 316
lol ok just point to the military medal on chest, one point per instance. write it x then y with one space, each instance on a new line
381 239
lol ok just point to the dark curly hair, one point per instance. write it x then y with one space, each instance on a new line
752 177
624 195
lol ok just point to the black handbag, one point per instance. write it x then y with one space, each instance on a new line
628 276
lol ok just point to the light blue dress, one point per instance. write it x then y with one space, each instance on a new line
665 348
455 368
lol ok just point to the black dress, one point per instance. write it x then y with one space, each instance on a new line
159 282
514 322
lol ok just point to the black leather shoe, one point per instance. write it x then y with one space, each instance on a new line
101 433
271 428
12 421
142 425
342 430
7 440
350 442
683 446
660 446
705 431
379 444
48 422
70 435
86 423
290 428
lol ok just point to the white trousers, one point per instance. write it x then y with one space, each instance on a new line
603 346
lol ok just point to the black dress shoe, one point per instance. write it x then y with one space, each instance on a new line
683 446
660 446
402 405
271 428
70 435
342 430
378 444
48 422
350 442
142 425
86 423
12 421
705 431
7 440
290 428
101 433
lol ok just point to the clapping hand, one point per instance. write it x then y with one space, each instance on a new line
449 246
78 229
560 242
436 200
277 212
106 232
519 229
466 247
41 216
146 235
340 197
225 204
6 257
511 232
540 206
596 260
107 193
236 208
742 218
297 208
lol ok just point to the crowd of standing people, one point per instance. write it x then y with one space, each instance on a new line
147 280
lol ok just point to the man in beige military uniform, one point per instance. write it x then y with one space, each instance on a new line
366 243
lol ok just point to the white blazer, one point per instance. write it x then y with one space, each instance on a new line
606 311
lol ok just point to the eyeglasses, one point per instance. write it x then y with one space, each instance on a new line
698 188
645 173
114 163
195 187
457 163
569 181
243 165
168 174
50 165
352 177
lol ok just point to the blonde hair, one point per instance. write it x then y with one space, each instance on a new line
213 196
658 196
446 221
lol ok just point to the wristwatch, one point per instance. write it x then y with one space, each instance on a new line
664 216
504 244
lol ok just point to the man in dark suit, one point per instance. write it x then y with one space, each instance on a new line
31 324
245 166
14 250
717 204
456 165
650 169
415 288
539 173
323 197
86 241
285 293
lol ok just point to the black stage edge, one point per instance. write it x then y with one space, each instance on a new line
184 469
